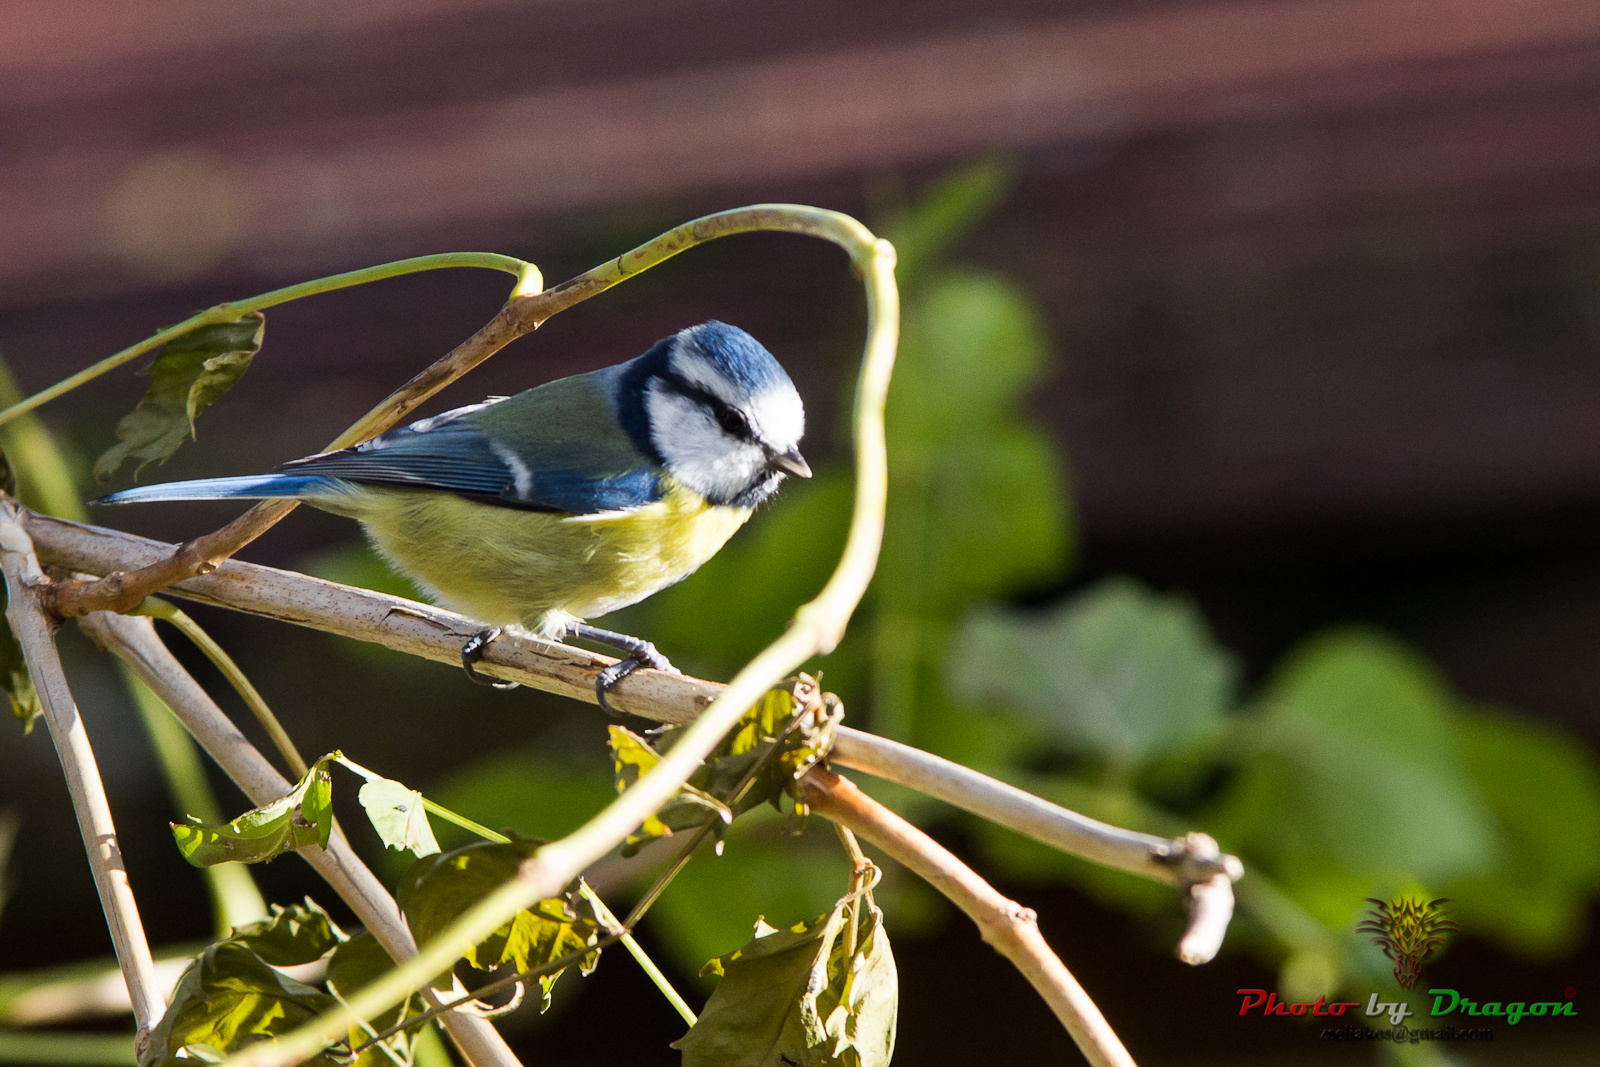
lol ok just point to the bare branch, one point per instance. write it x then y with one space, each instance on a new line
1011 929
135 642
37 638
436 634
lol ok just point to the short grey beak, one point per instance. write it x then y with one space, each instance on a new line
790 462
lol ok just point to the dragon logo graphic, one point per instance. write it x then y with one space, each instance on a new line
1408 931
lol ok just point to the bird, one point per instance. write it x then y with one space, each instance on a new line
575 498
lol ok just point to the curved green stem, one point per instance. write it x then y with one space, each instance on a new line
528 279
157 608
816 627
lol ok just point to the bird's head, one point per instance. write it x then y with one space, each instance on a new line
722 414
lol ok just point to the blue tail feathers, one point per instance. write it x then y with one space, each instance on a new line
250 487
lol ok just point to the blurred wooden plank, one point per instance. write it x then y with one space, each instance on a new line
303 184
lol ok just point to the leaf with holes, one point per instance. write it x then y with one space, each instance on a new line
437 890
709 790
397 813
190 373
304 817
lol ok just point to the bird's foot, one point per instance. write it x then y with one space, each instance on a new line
472 652
639 653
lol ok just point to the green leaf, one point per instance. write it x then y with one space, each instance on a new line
977 507
947 211
1117 671
355 964
190 373
304 817
288 937
437 890
1353 774
399 817
229 998
634 757
1544 791
791 997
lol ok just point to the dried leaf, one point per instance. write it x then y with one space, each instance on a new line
792 998
190 373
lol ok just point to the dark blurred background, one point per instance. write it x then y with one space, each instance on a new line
1320 279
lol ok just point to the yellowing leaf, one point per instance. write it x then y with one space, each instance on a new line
709 791
397 813
190 373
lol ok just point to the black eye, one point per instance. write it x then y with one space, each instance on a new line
732 423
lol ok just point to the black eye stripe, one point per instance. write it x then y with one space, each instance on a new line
731 420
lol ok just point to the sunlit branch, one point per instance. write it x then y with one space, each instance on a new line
134 641
36 636
1011 929
436 634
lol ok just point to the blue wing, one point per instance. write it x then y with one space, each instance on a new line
558 447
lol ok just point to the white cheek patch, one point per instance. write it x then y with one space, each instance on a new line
779 417
695 449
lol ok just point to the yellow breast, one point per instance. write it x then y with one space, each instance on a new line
536 569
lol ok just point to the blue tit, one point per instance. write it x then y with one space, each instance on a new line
567 501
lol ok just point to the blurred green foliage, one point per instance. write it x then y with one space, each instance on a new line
1353 772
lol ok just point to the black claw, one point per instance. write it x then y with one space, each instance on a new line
639 654
472 652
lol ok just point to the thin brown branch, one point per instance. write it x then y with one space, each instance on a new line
436 634
134 641
1011 929
523 313
36 636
